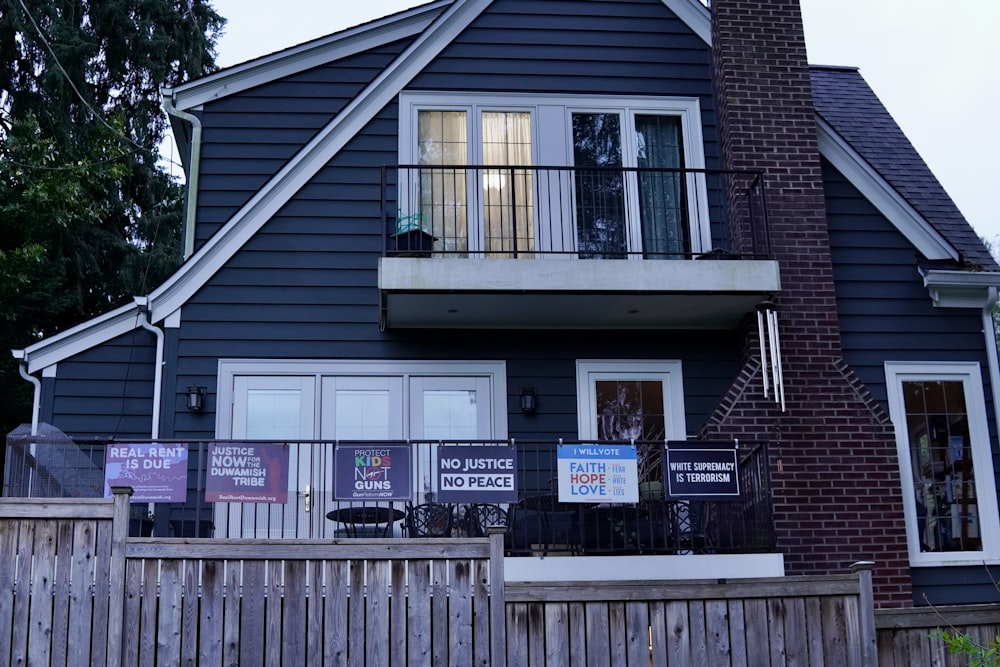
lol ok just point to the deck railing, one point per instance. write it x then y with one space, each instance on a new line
537 522
529 212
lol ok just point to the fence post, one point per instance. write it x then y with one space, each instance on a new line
498 606
866 613
116 609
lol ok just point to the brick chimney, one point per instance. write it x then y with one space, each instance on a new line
833 455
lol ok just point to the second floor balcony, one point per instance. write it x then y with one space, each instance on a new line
572 247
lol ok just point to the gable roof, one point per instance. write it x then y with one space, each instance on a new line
435 25
845 101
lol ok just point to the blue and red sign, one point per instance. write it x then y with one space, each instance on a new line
598 474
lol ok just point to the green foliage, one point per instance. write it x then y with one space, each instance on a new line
88 218
977 655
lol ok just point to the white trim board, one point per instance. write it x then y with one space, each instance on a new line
881 194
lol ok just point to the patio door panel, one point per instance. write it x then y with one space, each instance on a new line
281 409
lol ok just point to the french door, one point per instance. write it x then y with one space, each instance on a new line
348 408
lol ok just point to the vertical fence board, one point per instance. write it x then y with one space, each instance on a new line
335 613
377 614
717 633
169 619
658 634
293 618
102 595
314 613
9 540
356 619
81 593
418 607
189 613
481 641
132 604
557 646
252 619
696 621
517 633
397 614
460 613
272 612
230 620
42 579
577 635
776 623
598 634
814 632
796 636
439 611
536 634
833 631
737 633
62 594
616 626
678 634
147 613
758 640
212 617
637 632
19 636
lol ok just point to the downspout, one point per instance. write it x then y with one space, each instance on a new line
143 320
36 404
193 168
989 329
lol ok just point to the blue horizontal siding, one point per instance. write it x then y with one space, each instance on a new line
106 391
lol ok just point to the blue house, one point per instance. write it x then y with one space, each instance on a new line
639 221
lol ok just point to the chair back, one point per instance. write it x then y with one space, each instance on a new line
481 516
429 520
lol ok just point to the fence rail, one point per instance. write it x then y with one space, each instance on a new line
76 590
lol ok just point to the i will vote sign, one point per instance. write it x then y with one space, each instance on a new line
702 470
477 474
598 474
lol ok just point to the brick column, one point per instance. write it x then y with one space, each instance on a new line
833 455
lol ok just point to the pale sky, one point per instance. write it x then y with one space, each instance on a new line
935 65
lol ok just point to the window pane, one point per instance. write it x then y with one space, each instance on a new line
507 193
598 185
450 415
630 410
273 414
663 208
362 414
441 137
941 462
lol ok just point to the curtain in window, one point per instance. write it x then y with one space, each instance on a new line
442 140
508 209
662 208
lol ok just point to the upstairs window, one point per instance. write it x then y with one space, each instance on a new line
524 176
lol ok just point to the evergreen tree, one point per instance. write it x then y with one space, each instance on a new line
88 218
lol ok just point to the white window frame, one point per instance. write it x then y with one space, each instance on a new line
551 118
970 375
230 369
669 372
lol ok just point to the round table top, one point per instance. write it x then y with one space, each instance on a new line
365 514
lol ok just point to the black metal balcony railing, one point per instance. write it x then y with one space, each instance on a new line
538 524
586 212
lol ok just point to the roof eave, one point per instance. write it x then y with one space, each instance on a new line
962 289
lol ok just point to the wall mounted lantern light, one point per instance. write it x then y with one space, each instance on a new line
528 402
195 398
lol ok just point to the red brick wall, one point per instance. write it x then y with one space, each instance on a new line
834 463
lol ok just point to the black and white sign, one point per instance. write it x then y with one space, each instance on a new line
702 470
477 474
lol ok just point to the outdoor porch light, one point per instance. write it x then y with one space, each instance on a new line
527 400
195 398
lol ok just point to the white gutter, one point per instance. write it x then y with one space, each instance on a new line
37 401
193 170
143 320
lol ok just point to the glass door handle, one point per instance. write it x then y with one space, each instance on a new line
308 497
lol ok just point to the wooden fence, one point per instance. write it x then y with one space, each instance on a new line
75 590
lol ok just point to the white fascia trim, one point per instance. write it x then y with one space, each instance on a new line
299 58
883 196
314 156
82 337
695 15
962 289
